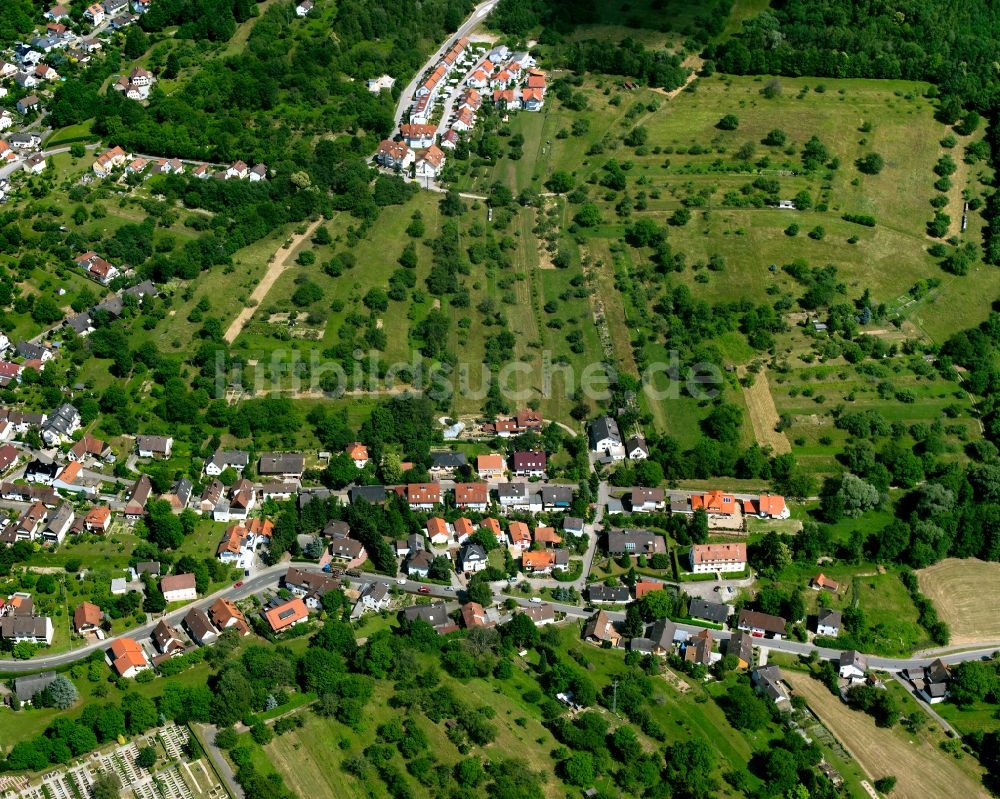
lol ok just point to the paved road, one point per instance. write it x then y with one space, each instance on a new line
207 733
406 96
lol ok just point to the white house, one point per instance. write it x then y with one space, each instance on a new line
828 622
178 587
303 8
710 558
853 665
605 437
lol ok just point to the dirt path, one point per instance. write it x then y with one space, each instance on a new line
274 270
920 767
764 414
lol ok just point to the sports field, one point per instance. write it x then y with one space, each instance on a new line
963 594
921 768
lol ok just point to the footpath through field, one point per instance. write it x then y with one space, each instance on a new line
274 271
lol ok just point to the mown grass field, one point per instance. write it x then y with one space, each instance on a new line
962 593
921 768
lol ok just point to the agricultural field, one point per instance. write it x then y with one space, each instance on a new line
961 592
920 766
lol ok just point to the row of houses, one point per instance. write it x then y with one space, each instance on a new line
115 157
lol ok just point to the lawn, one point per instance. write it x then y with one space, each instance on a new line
921 768
958 591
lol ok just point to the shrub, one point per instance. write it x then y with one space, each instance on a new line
728 122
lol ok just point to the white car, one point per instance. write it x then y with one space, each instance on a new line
401 581
536 600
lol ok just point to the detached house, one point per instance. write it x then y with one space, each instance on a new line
286 465
423 496
767 506
431 162
473 558
109 160
529 464
87 618
828 622
716 503
127 658
348 552
472 496
647 500
761 625
200 627
601 630
227 459
237 171
520 535
153 446
167 639
439 531
224 614
606 438
635 542
490 467
287 614
178 587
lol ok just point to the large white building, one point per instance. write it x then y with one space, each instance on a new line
710 558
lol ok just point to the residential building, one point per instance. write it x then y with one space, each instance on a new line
636 449
520 536
529 464
87 618
423 496
599 593
463 529
42 472
303 8
715 612
853 665
311 586
127 658
431 162
519 496
153 446
418 563
761 625
287 465
439 531
394 155
767 506
225 615
89 446
27 687
200 627
710 558
178 587
547 536
473 558
698 648
556 497
474 615
109 160
135 505
168 639
472 496
606 438
373 495
643 587
223 459
490 467
358 453
375 597
60 425
716 503
287 614
418 136
540 614
647 500
573 526
601 630
435 614
741 646
179 495
58 524
635 542
768 682
348 552
828 622
538 562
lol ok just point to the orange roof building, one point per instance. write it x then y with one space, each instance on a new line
731 557
643 587
541 561
423 494
716 503
97 519
127 657
287 614
823 582
547 536
520 535
463 528
225 614
493 526
471 494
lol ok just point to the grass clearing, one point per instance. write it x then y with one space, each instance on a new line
960 590
921 768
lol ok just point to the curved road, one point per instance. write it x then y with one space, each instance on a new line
478 14
270 577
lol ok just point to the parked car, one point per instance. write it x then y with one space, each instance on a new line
424 589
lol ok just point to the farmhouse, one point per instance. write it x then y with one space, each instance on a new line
823 583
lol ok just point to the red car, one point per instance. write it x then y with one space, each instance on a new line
238 584
424 589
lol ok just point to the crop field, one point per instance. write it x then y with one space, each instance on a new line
962 593
921 768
